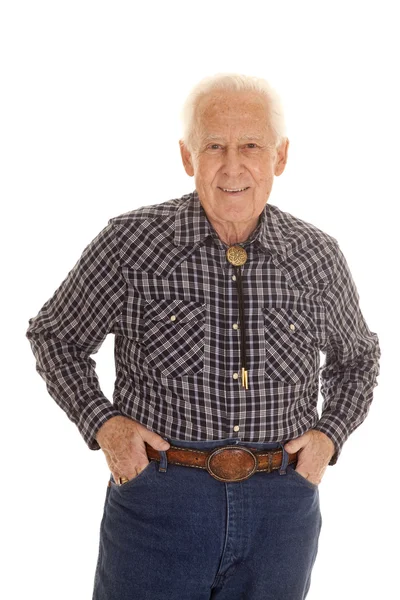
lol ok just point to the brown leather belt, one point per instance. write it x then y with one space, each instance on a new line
225 463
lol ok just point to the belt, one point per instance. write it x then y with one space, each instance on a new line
225 463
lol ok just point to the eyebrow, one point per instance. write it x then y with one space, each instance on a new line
212 137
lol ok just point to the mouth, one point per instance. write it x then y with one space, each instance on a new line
234 191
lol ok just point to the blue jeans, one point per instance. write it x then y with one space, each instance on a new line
180 534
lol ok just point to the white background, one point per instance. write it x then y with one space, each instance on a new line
91 95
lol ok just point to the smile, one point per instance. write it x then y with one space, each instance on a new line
234 191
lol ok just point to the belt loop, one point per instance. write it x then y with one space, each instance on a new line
162 467
285 460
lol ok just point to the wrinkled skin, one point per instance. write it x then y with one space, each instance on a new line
122 441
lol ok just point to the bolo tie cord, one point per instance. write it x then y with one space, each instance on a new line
237 256
238 272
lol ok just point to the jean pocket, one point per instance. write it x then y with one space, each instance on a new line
291 469
135 479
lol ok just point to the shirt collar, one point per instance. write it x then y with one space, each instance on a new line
192 226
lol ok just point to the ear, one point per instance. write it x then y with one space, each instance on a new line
282 157
186 159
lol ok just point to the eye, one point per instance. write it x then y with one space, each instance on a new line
251 145
214 146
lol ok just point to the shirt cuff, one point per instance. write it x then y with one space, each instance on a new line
92 418
334 426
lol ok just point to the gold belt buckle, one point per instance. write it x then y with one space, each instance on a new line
232 463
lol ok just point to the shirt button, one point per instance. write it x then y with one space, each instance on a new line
292 327
235 326
173 318
234 277
236 428
235 375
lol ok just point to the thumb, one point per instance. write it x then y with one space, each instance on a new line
294 445
156 441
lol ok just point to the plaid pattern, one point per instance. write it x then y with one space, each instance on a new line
158 278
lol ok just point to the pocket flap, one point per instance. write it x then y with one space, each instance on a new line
287 319
175 310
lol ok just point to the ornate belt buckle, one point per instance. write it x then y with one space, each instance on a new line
232 463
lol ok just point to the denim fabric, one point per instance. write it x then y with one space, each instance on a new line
176 533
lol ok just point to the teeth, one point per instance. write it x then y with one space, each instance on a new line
239 190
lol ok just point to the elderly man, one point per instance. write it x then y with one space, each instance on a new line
220 304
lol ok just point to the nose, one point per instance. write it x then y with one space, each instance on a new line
233 166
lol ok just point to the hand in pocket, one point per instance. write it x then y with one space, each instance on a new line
123 442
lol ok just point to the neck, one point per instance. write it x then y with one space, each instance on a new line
234 233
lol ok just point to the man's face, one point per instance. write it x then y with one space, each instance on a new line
234 149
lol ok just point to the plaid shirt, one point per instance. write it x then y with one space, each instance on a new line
158 278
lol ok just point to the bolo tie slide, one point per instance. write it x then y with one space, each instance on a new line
237 256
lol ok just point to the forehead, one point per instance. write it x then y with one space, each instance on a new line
220 110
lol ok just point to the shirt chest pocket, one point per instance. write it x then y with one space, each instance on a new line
173 336
291 345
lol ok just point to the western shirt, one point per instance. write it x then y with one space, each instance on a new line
158 278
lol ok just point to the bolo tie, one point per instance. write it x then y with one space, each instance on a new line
237 256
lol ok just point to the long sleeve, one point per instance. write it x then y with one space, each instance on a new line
349 373
72 325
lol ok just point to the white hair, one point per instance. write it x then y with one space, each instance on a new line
231 82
